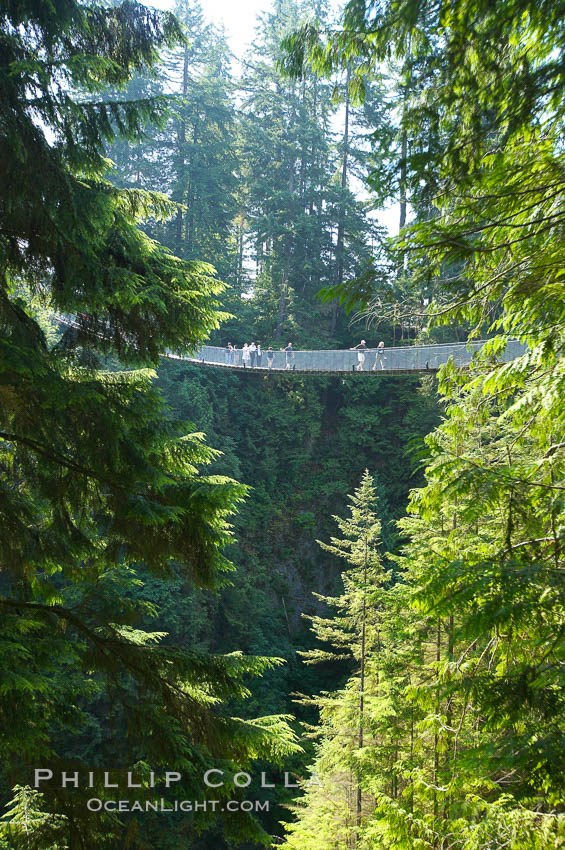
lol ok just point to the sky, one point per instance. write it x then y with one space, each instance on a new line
238 17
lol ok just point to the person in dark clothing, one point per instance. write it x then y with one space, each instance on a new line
270 355
289 351
252 353
259 354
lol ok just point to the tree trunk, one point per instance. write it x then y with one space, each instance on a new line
181 168
284 289
359 806
411 758
403 175
403 183
339 250
287 249
240 256
436 737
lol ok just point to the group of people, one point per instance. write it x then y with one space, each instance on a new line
252 355
361 350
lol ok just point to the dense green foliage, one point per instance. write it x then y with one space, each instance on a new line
473 661
115 652
141 588
99 485
300 443
264 177
353 633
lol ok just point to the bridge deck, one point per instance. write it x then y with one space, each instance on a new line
415 358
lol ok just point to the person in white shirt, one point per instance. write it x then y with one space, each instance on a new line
245 355
361 349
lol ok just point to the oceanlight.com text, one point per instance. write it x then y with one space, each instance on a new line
163 806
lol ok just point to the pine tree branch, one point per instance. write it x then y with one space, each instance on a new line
57 458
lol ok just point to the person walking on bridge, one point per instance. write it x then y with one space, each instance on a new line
289 351
379 356
252 353
245 355
259 355
270 355
360 349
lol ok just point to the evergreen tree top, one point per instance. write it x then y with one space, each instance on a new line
62 224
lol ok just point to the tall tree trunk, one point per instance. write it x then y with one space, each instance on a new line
339 250
287 245
284 289
450 656
449 706
359 806
403 175
411 758
313 150
191 194
181 168
403 154
436 736
303 150
403 183
240 255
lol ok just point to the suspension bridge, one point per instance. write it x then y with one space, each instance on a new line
413 358
399 359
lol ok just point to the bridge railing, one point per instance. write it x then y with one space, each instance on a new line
402 359
412 358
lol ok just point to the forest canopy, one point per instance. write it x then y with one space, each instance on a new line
475 668
99 484
377 609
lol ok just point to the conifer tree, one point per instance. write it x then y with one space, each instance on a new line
192 159
96 479
353 634
494 250
304 221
